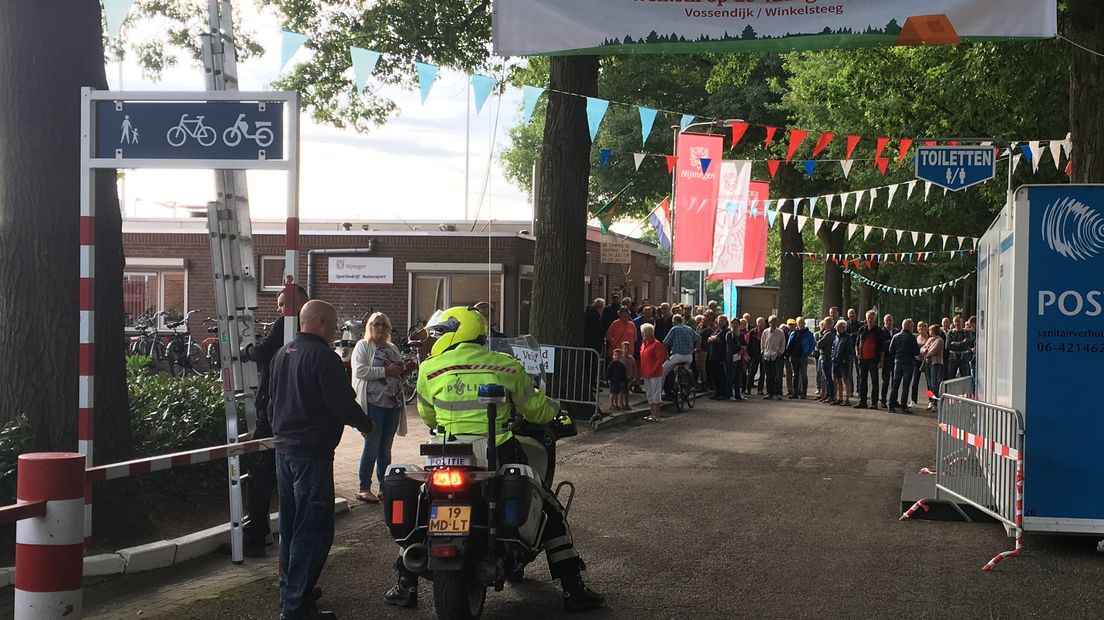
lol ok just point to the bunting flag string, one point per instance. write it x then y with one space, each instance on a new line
899 236
907 292
883 257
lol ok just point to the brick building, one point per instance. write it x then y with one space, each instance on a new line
413 268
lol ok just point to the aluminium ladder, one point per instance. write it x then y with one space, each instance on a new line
232 261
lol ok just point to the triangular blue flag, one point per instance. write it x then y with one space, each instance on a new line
810 165
290 42
482 86
115 12
426 74
685 122
705 164
771 215
647 119
364 63
605 155
1026 150
596 111
529 96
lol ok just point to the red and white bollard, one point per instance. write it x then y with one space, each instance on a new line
49 550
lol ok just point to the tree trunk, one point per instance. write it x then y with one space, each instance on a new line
39 224
833 243
559 261
791 298
1085 26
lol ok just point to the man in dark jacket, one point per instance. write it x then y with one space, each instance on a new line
311 401
718 353
888 332
904 350
261 483
755 355
594 337
609 315
869 347
734 359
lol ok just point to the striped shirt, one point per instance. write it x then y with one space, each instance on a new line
681 340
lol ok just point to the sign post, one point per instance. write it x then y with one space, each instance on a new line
956 167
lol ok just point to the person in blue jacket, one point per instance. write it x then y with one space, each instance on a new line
799 346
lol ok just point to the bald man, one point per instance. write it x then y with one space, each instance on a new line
312 401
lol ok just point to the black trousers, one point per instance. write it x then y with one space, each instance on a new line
720 378
868 368
774 376
754 364
260 486
559 549
887 377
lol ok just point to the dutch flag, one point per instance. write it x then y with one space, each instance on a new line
660 219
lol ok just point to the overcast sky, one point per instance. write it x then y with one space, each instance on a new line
412 167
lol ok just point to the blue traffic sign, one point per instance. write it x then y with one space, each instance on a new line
195 130
956 167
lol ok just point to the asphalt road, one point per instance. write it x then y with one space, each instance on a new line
749 510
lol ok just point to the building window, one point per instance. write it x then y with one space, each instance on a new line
272 273
148 291
432 290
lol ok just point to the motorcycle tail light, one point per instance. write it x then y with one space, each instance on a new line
397 512
443 551
448 479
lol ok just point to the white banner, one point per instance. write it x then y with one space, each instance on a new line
732 214
350 270
529 27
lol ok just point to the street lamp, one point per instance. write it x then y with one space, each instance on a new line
675 130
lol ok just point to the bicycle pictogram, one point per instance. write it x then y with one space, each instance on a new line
194 128
240 129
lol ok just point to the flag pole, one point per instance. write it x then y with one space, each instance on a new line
672 274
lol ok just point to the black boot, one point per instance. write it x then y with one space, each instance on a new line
403 594
577 596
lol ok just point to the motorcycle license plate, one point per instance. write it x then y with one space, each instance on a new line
449 519
450 461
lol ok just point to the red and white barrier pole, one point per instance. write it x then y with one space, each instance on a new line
911 511
1000 557
49 550
87 339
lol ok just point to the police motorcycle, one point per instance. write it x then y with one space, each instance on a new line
468 522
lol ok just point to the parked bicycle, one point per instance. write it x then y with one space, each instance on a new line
184 355
410 347
148 340
210 344
681 388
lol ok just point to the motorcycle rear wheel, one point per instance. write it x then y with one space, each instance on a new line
456 596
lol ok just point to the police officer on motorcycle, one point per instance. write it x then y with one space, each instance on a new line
447 384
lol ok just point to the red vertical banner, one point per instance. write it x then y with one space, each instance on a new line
695 201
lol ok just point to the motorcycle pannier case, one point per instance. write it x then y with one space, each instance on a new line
520 505
400 501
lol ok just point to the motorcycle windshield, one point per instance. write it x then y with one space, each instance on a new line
524 349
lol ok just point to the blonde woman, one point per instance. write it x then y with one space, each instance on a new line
377 372
921 338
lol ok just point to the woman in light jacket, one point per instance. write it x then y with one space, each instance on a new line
377 372
932 353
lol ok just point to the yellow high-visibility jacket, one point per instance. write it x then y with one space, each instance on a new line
448 392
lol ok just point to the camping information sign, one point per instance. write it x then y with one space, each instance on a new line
603 27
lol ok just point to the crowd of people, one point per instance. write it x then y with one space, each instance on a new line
770 357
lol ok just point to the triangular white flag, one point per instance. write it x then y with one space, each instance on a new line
638 158
1016 162
801 222
944 241
892 191
915 237
851 229
845 164
987 143
816 224
1067 145
1056 153
813 204
786 219
1035 154
767 205
835 225
961 240
927 189
782 203
911 186
927 239
866 231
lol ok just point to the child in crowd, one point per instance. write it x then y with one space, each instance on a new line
618 382
631 371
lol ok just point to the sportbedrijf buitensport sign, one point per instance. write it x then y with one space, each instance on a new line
532 27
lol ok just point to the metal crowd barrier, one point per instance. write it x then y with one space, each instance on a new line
962 386
979 459
572 376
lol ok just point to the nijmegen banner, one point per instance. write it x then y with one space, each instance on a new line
563 27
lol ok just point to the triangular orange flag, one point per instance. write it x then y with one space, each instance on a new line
772 165
851 142
906 144
879 146
882 163
671 160
770 136
797 136
823 142
738 131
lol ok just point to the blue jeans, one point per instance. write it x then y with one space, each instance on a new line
377 447
801 375
306 490
829 386
934 377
